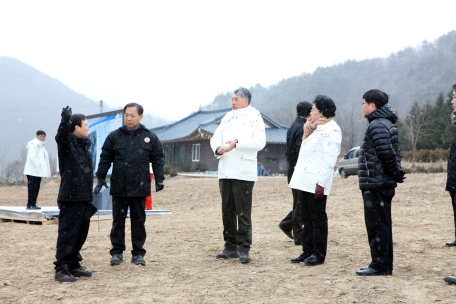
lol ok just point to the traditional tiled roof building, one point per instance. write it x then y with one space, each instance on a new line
187 142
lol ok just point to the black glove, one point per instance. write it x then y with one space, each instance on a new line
159 186
66 114
93 209
401 177
101 183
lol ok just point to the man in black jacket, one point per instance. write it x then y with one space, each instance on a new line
451 179
75 195
380 168
131 149
293 221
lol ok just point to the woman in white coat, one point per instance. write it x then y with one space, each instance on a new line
36 167
313 177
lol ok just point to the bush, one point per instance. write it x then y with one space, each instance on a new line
200 167
170 170
426 156
185 168
425 170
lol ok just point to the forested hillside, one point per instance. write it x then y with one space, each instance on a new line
31 100
417 73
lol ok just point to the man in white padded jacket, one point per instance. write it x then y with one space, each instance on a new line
36 167
236 141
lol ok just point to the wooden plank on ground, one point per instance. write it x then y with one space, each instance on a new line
37 221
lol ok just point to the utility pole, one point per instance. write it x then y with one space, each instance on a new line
101 106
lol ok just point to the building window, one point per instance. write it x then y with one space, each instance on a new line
196 152
179 159
272 160
169 155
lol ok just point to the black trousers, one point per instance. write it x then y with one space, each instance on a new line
293 220
315 231
236 213
74 223
33 187
377 215
120 206
453 201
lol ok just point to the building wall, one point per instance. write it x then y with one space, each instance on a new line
274 152
206 154
272 157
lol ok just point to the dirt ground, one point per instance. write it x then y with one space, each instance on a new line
181 264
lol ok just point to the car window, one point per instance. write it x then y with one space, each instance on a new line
350 154
356 153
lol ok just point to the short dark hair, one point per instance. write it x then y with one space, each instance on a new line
76 120
325 105
454 87
244 93
137 106
379 98
39 132
303 108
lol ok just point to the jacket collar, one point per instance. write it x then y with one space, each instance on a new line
124 128
80 141
301 118
238 113
38 142
327 126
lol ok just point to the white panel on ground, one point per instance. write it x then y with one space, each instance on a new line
21 213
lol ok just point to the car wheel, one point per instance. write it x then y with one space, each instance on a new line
342 173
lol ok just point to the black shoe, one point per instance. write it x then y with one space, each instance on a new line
373 272
63 274
313 260
116 259
244 257
33 208
288 233
451 243
81 272
138 260
300 258
451 279
226 254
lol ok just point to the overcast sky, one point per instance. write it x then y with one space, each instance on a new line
172 56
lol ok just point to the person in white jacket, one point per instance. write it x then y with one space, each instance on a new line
313 177
236 141
36 167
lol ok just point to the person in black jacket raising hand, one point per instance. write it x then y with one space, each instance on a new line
130 149
380 168
75 195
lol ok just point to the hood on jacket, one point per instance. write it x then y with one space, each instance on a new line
35 141
383 112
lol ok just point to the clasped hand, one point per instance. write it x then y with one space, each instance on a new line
227 147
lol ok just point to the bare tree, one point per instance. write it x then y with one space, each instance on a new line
23 153
3 153
14 170
415 123
53 164
287 113
352 124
